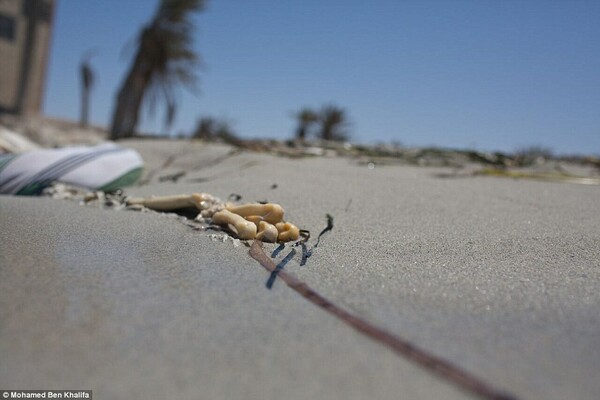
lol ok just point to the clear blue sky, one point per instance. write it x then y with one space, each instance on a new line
489 75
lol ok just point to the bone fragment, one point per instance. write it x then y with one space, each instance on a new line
267 232
255 218
244 229
209 212
175 202
270 212
203 200
287 232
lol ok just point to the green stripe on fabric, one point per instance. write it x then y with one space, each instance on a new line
127 179
33 189
5 160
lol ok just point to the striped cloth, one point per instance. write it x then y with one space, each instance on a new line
105 167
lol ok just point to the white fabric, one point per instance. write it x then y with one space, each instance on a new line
91 167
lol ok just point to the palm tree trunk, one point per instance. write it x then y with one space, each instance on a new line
326 133
129 102
301 132
87 80
85 102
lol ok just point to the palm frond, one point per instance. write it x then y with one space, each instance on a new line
334 123
166 53
164 61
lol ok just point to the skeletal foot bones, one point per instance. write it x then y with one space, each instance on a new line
248 221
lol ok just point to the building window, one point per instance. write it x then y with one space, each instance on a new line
7 27
38 9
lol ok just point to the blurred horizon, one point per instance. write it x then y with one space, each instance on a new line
491 76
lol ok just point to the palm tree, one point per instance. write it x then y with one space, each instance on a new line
205 128
163 60
211 128
87 82
306 118
334 123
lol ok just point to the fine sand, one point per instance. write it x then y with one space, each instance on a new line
501 277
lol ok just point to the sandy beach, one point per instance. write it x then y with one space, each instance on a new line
500 277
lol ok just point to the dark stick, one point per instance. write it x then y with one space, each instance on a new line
401 346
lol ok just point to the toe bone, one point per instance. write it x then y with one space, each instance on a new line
244 229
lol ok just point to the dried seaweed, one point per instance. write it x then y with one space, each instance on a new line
327 229
172 177
278 250
234 197
306 252
279 267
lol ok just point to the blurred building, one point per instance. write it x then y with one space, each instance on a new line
25 30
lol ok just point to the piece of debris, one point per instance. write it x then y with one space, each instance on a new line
172 177
247 221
